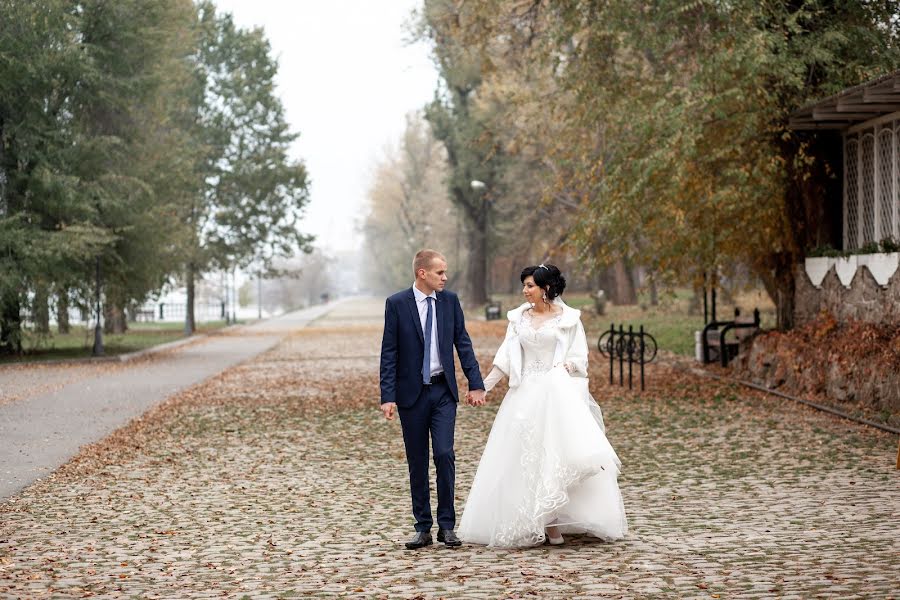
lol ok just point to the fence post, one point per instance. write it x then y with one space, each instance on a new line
612 339
630 349
621 353
642 357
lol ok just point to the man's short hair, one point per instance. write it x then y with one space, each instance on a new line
424 258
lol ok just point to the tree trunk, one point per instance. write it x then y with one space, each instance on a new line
785 306
114 318
618 283
41 309
695 304
477 263
812 214
190 325
10 324
780 285
654 292
62 312
606 282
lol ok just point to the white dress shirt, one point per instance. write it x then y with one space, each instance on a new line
422 305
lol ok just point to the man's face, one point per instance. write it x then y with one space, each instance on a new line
436 275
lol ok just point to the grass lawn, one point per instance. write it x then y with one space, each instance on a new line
80 341
670 323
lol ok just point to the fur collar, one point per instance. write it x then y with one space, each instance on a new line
569 317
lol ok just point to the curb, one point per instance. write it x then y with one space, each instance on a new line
126 357
129 356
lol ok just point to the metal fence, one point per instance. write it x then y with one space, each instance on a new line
162 311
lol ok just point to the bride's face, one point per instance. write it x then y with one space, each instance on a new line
532 292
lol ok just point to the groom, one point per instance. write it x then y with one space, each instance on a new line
418 379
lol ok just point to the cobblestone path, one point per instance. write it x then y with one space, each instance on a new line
279 478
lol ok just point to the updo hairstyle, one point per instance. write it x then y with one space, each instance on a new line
547 277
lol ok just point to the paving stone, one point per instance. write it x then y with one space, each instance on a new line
279 478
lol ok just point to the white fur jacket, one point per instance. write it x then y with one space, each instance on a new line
571 346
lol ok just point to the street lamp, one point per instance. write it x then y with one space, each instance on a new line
480 189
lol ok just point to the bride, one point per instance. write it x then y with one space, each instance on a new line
547 468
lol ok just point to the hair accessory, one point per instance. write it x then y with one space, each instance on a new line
542 266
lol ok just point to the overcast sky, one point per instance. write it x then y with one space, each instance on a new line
347 79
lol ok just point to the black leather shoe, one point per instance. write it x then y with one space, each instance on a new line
422 539
448 537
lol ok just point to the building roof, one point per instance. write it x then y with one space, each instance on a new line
876 97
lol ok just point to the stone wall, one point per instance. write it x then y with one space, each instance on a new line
853 365
864 300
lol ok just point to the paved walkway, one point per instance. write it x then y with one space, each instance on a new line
52 410
279 478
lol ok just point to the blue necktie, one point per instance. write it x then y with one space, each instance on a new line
426 360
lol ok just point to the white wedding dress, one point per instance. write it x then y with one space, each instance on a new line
547 460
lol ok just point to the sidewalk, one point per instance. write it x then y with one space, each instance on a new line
59 408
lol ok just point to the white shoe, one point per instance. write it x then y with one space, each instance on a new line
556 541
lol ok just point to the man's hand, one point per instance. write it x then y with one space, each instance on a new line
388 409
475 397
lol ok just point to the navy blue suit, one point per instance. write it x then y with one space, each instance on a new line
426 409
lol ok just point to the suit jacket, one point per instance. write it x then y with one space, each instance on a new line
403 347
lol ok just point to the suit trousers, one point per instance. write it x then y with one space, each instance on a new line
434 412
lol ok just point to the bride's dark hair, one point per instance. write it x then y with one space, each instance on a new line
547 277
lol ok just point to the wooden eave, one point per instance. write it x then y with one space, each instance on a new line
854 105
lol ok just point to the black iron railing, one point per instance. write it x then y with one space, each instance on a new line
632 347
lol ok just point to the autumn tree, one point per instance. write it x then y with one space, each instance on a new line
474 152
672 119
409 209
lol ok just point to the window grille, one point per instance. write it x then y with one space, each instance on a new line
885 161
867 189
851 198
872 183
896 162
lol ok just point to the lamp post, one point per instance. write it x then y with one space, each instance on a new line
98 330
480 188
234 299
226 310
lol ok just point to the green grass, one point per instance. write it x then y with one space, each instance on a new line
669 323
78 343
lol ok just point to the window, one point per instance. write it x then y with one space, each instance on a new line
872 182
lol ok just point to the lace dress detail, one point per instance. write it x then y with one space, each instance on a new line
547 459
548 493
538 344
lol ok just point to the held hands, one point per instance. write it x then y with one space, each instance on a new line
475 397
